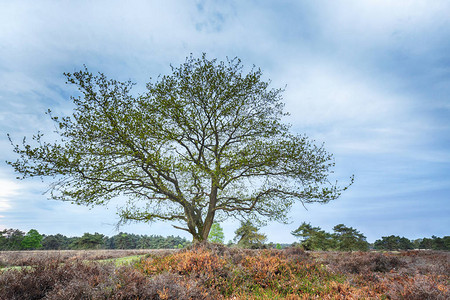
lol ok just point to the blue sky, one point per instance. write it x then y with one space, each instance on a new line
370 79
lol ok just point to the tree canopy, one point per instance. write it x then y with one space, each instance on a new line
393 242
206 141
313 238
348 238
344 238
32 240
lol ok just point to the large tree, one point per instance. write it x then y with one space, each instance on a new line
204 141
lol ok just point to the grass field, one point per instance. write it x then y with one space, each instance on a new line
212 271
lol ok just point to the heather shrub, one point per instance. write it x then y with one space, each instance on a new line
78 280
35 282
427 262
296 254
363 262
199 264
233 271
417 287
213 271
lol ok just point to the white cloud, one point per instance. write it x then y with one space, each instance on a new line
353 112
8 191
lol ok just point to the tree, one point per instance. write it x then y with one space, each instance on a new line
349 239
446 240
89 241
32 240
55 242
216 234
11 239
435 243
438 243
313 238
206 141
426 243
247 236
393 242
125 241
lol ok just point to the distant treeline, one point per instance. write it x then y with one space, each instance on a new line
349 239
393 242
312 238
14 239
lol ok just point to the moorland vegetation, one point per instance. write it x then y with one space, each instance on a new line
214 271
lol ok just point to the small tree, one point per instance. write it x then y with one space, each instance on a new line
393 242
349 239
247 236
216 234
205 141
89 241
55 242
313 238
32 240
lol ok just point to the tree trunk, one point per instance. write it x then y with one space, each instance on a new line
211 212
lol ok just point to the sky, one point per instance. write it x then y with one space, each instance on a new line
369 79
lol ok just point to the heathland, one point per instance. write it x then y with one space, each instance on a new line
214 271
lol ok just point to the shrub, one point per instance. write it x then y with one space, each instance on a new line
78 280
364 262
417 287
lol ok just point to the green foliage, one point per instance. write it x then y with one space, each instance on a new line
32 240
89 241
247 236
11 239
344 238
55 242
216 234
434 243
440 243
349 239
393 242
185 151
314 238
124 241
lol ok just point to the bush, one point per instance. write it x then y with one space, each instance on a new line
417 287
363 262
